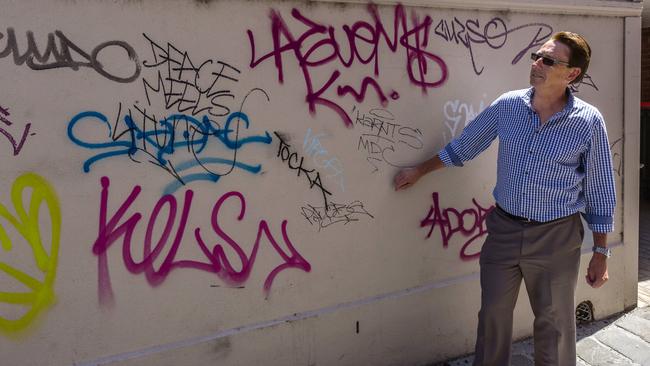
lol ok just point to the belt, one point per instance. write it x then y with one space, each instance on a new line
517 218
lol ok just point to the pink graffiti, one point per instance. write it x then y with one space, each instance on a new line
17 146
312 51
452 222
113 228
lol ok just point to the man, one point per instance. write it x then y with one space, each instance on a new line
553 162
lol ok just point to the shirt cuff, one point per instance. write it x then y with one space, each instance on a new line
599 224
601 228
449 157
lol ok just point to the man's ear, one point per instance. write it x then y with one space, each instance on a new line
575 72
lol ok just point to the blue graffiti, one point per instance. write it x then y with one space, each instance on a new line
162 141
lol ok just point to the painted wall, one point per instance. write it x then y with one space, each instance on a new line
197 182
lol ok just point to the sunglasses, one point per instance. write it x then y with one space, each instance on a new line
546 60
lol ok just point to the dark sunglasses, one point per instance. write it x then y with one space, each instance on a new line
548 61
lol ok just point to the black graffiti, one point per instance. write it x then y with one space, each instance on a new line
187 87
493 34
334 213
381 135
66 54
287 156
586 80
617 158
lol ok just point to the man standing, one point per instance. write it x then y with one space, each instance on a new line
553 163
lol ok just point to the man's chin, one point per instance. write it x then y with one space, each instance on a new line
536 80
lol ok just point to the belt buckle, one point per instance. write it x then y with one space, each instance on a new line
529 221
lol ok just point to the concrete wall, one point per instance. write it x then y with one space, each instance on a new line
167 167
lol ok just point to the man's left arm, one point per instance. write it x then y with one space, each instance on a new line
600 200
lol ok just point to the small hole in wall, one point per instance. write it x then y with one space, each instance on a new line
357 327
584 312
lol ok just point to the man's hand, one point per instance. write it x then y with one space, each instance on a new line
597 271
406 178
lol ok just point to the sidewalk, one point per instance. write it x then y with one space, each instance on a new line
623 339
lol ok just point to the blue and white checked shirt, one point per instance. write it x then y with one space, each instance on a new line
547 171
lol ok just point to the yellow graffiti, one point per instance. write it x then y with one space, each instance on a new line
40 294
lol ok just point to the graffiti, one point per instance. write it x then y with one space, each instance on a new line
287 156
334 213
188 88
117 226
452 222
617 157
381 137
178 133
322 159
493 34
586 80
318 46
178 143
35 294
17 146
67 55
459 113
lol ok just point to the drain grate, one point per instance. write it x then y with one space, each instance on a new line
584 312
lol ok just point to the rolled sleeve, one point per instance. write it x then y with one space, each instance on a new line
599 189
475 138
449 157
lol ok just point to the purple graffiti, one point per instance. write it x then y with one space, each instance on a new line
451 222
111 229
493 34
318 45
17 146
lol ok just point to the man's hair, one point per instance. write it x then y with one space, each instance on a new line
580 51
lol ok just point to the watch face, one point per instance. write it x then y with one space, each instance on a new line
604 251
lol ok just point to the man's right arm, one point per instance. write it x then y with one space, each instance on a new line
475 138
407 177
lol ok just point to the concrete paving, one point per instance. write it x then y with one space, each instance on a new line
623 339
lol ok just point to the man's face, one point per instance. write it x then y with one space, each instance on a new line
556 76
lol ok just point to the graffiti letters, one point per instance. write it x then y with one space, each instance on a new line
17 145
33 293
586 80
118 225
188 87
172 135
66 54
459 114
617 157
470 223
382 137
313 148
319 45
334 213
494 34
291 158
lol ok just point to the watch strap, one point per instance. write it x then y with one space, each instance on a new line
602 250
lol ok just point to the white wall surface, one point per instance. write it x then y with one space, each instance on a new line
119 248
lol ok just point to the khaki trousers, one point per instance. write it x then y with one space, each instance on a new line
547 257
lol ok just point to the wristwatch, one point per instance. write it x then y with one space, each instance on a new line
602 250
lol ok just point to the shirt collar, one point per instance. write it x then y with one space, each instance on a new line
528 99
